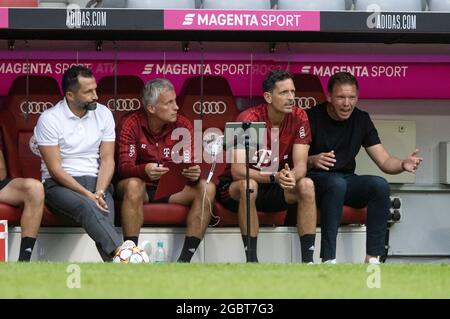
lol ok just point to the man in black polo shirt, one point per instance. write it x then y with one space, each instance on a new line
338 130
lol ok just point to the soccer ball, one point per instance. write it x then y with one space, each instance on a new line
131 255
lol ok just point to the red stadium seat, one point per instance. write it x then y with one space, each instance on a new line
13 214
350 216
17 121
308 90
164 213
229 218
159 214
19 117
10 213
219 105
127 95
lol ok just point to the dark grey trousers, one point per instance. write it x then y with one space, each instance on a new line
83 211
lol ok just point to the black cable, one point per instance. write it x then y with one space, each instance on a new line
115 77
27 81
251 79
202 77
288 69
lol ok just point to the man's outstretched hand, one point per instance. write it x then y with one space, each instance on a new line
412 162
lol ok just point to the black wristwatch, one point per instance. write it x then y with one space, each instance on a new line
272 178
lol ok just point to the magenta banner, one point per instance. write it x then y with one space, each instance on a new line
377 80
242 20
4 18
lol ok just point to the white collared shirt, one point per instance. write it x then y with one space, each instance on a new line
78 138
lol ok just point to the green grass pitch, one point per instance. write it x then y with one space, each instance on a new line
172 280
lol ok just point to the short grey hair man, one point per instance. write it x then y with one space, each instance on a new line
153 89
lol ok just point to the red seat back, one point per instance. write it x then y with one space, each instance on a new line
349 216
308 90
126 97
219 105
23 106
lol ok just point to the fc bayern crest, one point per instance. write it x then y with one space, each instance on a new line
33 146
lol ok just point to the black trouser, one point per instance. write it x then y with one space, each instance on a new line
334 190
4 182
270 197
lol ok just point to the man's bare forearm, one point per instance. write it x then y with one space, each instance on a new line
105 174
66 180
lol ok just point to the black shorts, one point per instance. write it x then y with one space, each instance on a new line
151 190
270 197
4 182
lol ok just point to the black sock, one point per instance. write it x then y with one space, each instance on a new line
189 247
134 239
307 243
250 253
26 248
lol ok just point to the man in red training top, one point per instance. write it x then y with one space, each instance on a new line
285 185
145 145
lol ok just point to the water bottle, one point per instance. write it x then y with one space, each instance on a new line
147 247
160 254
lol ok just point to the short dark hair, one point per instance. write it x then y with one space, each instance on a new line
273 77
342 78
70 78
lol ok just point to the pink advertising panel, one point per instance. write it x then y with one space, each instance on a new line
4 18
242 20
383 80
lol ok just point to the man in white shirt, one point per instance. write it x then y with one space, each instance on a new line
76 141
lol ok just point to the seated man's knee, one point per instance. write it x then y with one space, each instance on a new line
336 184
201 186
34 189
252 184
305 187
379 186
85 207
134 189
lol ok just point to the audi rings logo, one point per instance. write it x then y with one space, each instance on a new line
124 105
34 107
305 102
33 146
210 107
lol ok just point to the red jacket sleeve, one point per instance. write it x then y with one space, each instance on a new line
128 141
303 133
